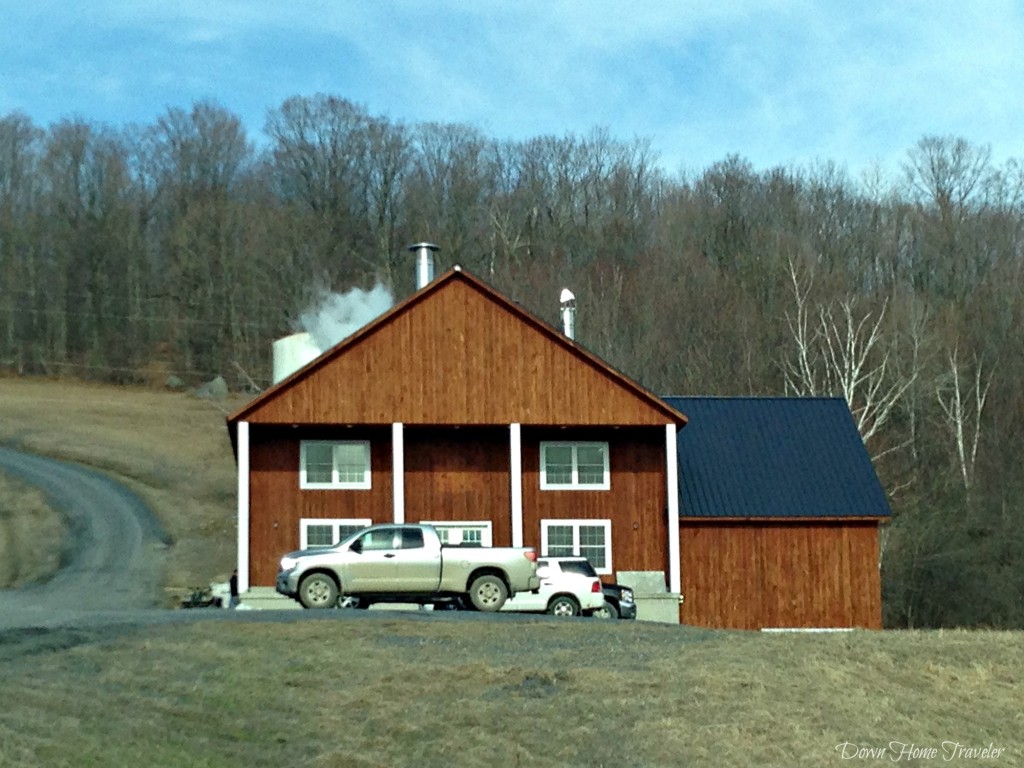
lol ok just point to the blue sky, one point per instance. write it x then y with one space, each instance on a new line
779 83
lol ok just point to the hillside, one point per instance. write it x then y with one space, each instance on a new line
170 448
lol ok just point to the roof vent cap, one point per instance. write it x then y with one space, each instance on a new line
567 299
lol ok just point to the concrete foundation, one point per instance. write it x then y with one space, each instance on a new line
663 608
267 599
653 600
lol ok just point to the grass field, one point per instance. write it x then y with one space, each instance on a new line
430 690
392 689
172 449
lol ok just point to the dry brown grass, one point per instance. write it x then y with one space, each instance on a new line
388 690
30 535
170 448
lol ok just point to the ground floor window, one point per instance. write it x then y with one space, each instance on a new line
317 532
591 539
463 534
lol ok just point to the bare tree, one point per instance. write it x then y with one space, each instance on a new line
962 411
841 349
947 172
803 370
951 181
203 158
19 262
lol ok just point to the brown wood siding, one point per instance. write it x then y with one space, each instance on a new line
801 574
277 503
459 474
458 357
635 503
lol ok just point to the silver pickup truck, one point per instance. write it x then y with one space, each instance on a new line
406 564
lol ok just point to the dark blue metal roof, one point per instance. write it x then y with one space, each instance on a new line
774 457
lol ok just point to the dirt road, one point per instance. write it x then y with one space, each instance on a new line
111 559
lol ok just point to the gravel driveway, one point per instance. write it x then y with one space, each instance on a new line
112 557
109 580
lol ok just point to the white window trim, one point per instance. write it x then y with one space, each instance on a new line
336 522
606 524
487 525
575 484
363 485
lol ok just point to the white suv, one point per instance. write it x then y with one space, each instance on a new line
568 586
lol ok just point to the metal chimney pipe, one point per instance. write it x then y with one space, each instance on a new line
424 262
568 303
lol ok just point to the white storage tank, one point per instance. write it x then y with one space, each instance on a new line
293 352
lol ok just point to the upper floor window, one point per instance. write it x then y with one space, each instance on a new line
334 464
576 466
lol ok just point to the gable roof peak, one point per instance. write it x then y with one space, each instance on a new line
458 275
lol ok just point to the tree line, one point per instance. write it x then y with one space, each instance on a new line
188 245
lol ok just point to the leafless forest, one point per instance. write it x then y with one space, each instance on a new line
188 245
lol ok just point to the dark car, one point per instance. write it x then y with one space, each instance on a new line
618 603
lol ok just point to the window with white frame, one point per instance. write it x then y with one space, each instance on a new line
463 534
334 464
591 539
317 532
576 466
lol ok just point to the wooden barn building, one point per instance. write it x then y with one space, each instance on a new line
459 408
779 515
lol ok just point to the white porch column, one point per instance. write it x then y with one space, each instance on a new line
398 470
515 443
243 505
672 491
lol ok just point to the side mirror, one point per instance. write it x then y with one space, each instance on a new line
357 546
543 572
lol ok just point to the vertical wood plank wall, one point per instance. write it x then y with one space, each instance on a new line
459 474
459 358
750 575
635 503
277 503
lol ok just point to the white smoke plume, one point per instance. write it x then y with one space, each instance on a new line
336 316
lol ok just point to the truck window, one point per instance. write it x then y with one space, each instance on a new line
382 538
412 538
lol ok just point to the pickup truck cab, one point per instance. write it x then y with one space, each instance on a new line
406 564
569 586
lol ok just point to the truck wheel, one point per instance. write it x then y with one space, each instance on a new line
563 606
488 593
318 590
606 611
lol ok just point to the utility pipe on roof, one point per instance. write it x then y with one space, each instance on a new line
424 262
568 308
